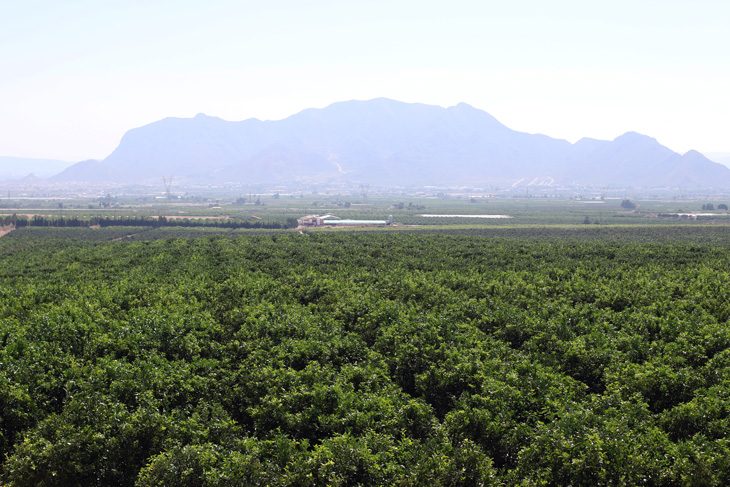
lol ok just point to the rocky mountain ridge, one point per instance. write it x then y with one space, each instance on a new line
389 143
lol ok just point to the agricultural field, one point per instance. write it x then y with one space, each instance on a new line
274 212
561 354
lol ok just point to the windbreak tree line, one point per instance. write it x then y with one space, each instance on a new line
364 359
143 221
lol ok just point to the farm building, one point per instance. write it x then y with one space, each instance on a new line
310 221
343 223
331 220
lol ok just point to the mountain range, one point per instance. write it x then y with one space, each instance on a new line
389 143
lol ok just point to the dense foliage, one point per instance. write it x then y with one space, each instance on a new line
365 359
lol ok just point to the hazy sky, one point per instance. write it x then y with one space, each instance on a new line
75 75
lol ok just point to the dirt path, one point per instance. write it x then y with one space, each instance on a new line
126 236
193 217
5 230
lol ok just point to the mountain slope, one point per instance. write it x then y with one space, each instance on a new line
88 171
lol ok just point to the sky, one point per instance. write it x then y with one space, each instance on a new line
76 75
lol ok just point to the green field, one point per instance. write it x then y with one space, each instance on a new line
458 355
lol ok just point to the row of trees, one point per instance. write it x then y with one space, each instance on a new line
711 207
108 221
13 220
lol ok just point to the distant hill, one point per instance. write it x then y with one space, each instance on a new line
18 167
89 171
388 142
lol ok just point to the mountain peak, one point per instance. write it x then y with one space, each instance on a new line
31 178
465 108
472 114
202 117
633 137
640 142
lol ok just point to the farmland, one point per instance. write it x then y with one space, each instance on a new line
281 212
524 351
